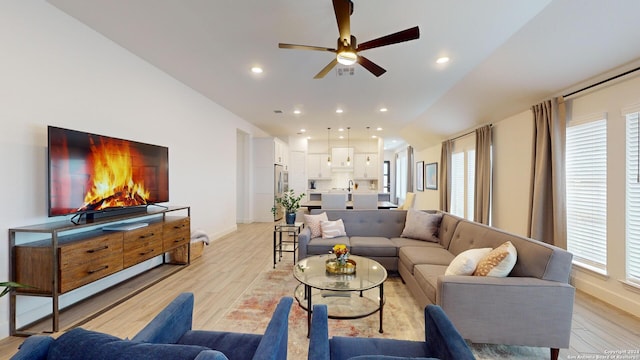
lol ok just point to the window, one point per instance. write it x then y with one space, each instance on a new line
586 182
633 198
463 178
401 176
386 177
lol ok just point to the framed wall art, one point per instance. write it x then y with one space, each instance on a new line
431 176
420 175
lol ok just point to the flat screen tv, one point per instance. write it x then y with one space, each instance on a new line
93 174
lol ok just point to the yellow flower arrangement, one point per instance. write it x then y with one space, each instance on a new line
342 253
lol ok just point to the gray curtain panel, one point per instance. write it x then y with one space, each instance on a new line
547 218
411 183
482 185
445 175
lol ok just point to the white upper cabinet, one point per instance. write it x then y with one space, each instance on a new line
317 167
364 171
281 153
339 156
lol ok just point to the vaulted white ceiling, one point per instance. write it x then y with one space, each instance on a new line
505 56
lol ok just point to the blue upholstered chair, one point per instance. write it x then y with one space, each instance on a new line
167 336
442 341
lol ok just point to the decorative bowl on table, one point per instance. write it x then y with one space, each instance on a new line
336 268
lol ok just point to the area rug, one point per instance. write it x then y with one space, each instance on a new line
403 318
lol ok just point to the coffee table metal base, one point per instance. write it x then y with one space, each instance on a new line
342 304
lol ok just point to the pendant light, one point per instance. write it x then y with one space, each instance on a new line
348 157
328 147
368 159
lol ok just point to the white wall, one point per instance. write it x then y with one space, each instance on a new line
56 71
428 199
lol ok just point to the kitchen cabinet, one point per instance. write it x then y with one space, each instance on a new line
317 167
362 171
339 157
281 153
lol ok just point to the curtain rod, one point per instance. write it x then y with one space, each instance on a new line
469 133
602 82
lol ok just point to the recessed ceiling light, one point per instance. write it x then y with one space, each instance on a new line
442 60
256 70
341 137
379 129
308 137
296 111
383 109
339 111
303 130
341 129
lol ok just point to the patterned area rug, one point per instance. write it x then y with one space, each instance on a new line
403 319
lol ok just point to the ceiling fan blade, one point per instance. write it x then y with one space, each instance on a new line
404 35
343 9
326 69
304 47
371 66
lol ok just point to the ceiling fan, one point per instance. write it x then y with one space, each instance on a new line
348 49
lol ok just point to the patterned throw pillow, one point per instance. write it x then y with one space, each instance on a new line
466 262
313 223
332 229
499 262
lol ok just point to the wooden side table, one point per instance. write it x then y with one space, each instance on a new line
284 246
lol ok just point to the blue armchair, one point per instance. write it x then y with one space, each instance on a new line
167 336
442 341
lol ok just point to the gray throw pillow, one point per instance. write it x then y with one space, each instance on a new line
420 225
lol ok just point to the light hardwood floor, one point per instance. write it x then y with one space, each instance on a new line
230 264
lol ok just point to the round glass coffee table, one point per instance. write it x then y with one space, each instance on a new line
347 296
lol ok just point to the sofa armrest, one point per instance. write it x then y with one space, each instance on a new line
211 355
303 240
319 336
35 347
442 338
273 345
171 323
510 310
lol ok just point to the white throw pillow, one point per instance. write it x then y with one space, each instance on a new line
332 229
420 225
465 263
313 223
499 262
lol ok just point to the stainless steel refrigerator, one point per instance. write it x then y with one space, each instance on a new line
281 182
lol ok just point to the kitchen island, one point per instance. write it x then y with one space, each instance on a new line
317 204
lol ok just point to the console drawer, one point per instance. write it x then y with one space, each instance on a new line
176 232
142 244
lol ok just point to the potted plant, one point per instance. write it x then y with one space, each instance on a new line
8 285
291 203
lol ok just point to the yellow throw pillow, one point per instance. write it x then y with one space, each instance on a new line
499 262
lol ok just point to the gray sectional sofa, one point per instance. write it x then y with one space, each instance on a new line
532 306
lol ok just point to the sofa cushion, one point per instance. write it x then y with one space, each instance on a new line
372 246
332 229
467 261
410 256
348 347
320 246
427 278
233 344
421 225
313 223
498 262
402 242
34 347
85 344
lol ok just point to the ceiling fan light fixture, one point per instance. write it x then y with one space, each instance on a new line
347 57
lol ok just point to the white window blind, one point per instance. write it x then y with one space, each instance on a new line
586 181
457 184
471 180
633 199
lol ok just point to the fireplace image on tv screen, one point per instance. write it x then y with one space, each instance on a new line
91 173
